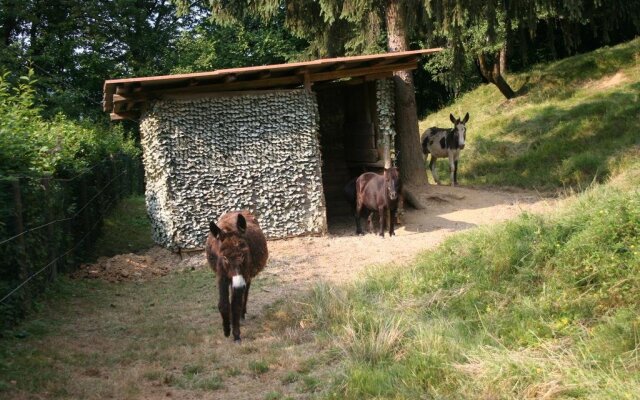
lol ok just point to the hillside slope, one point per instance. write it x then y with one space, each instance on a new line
540 307
544 306
576 118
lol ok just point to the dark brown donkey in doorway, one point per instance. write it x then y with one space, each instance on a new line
378 193
236 251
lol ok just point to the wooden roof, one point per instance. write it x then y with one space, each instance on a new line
124 98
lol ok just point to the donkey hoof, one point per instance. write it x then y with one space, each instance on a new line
237 340
227 332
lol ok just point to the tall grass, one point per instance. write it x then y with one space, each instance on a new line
540 307
573 120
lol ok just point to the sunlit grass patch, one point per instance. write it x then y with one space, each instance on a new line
126 229
538 307
565 131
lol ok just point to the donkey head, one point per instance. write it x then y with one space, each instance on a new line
392 182
234 251
459 129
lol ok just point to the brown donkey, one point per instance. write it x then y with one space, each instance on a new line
236 251
378 193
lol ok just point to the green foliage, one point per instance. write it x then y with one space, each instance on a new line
259 367
126 229
58 170
32 145
569 129
533 305
212 46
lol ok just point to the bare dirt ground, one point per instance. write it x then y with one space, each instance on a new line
298 263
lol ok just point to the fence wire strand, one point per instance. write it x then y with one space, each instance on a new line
75 246
64 219
50 177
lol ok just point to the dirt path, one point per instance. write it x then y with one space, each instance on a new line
296 264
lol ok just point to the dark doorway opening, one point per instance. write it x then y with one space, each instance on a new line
348 139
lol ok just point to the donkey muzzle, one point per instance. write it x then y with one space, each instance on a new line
238 282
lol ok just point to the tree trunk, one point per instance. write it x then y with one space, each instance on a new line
493 75
503 59
411 161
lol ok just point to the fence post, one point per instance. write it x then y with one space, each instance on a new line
23 262
86 222
51 239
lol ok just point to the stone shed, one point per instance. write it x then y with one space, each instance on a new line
280 140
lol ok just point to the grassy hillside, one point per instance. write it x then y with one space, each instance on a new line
576 118
541 307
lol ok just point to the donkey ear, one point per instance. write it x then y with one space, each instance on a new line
241 224
466 118
452 118
215 230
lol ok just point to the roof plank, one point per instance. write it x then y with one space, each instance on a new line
124 94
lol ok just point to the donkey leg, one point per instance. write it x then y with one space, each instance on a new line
223 305
382 212
245 299
358 227
370 221
432 167
392 218
455 172
452 168
236 311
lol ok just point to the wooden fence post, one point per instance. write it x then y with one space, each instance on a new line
23 262
51 239
84 198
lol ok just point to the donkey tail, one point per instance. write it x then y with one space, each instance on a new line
424 140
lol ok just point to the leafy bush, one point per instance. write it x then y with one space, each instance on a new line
53 170
31 145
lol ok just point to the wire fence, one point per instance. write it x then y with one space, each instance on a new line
49 225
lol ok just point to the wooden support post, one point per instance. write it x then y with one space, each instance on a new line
86 217
386 149
51 240
23 261
307 82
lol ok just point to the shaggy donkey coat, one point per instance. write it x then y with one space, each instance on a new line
236 250
442 142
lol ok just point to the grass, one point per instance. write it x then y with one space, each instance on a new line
539 307
91 339
114 337
569 128
127 229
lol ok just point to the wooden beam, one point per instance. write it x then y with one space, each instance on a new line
331 75
124 115
181 96
307 82
230 78
381 75
239 85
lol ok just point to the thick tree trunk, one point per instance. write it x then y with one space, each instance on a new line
493 75
503 59
411 161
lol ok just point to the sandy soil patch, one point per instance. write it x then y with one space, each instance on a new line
298 263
